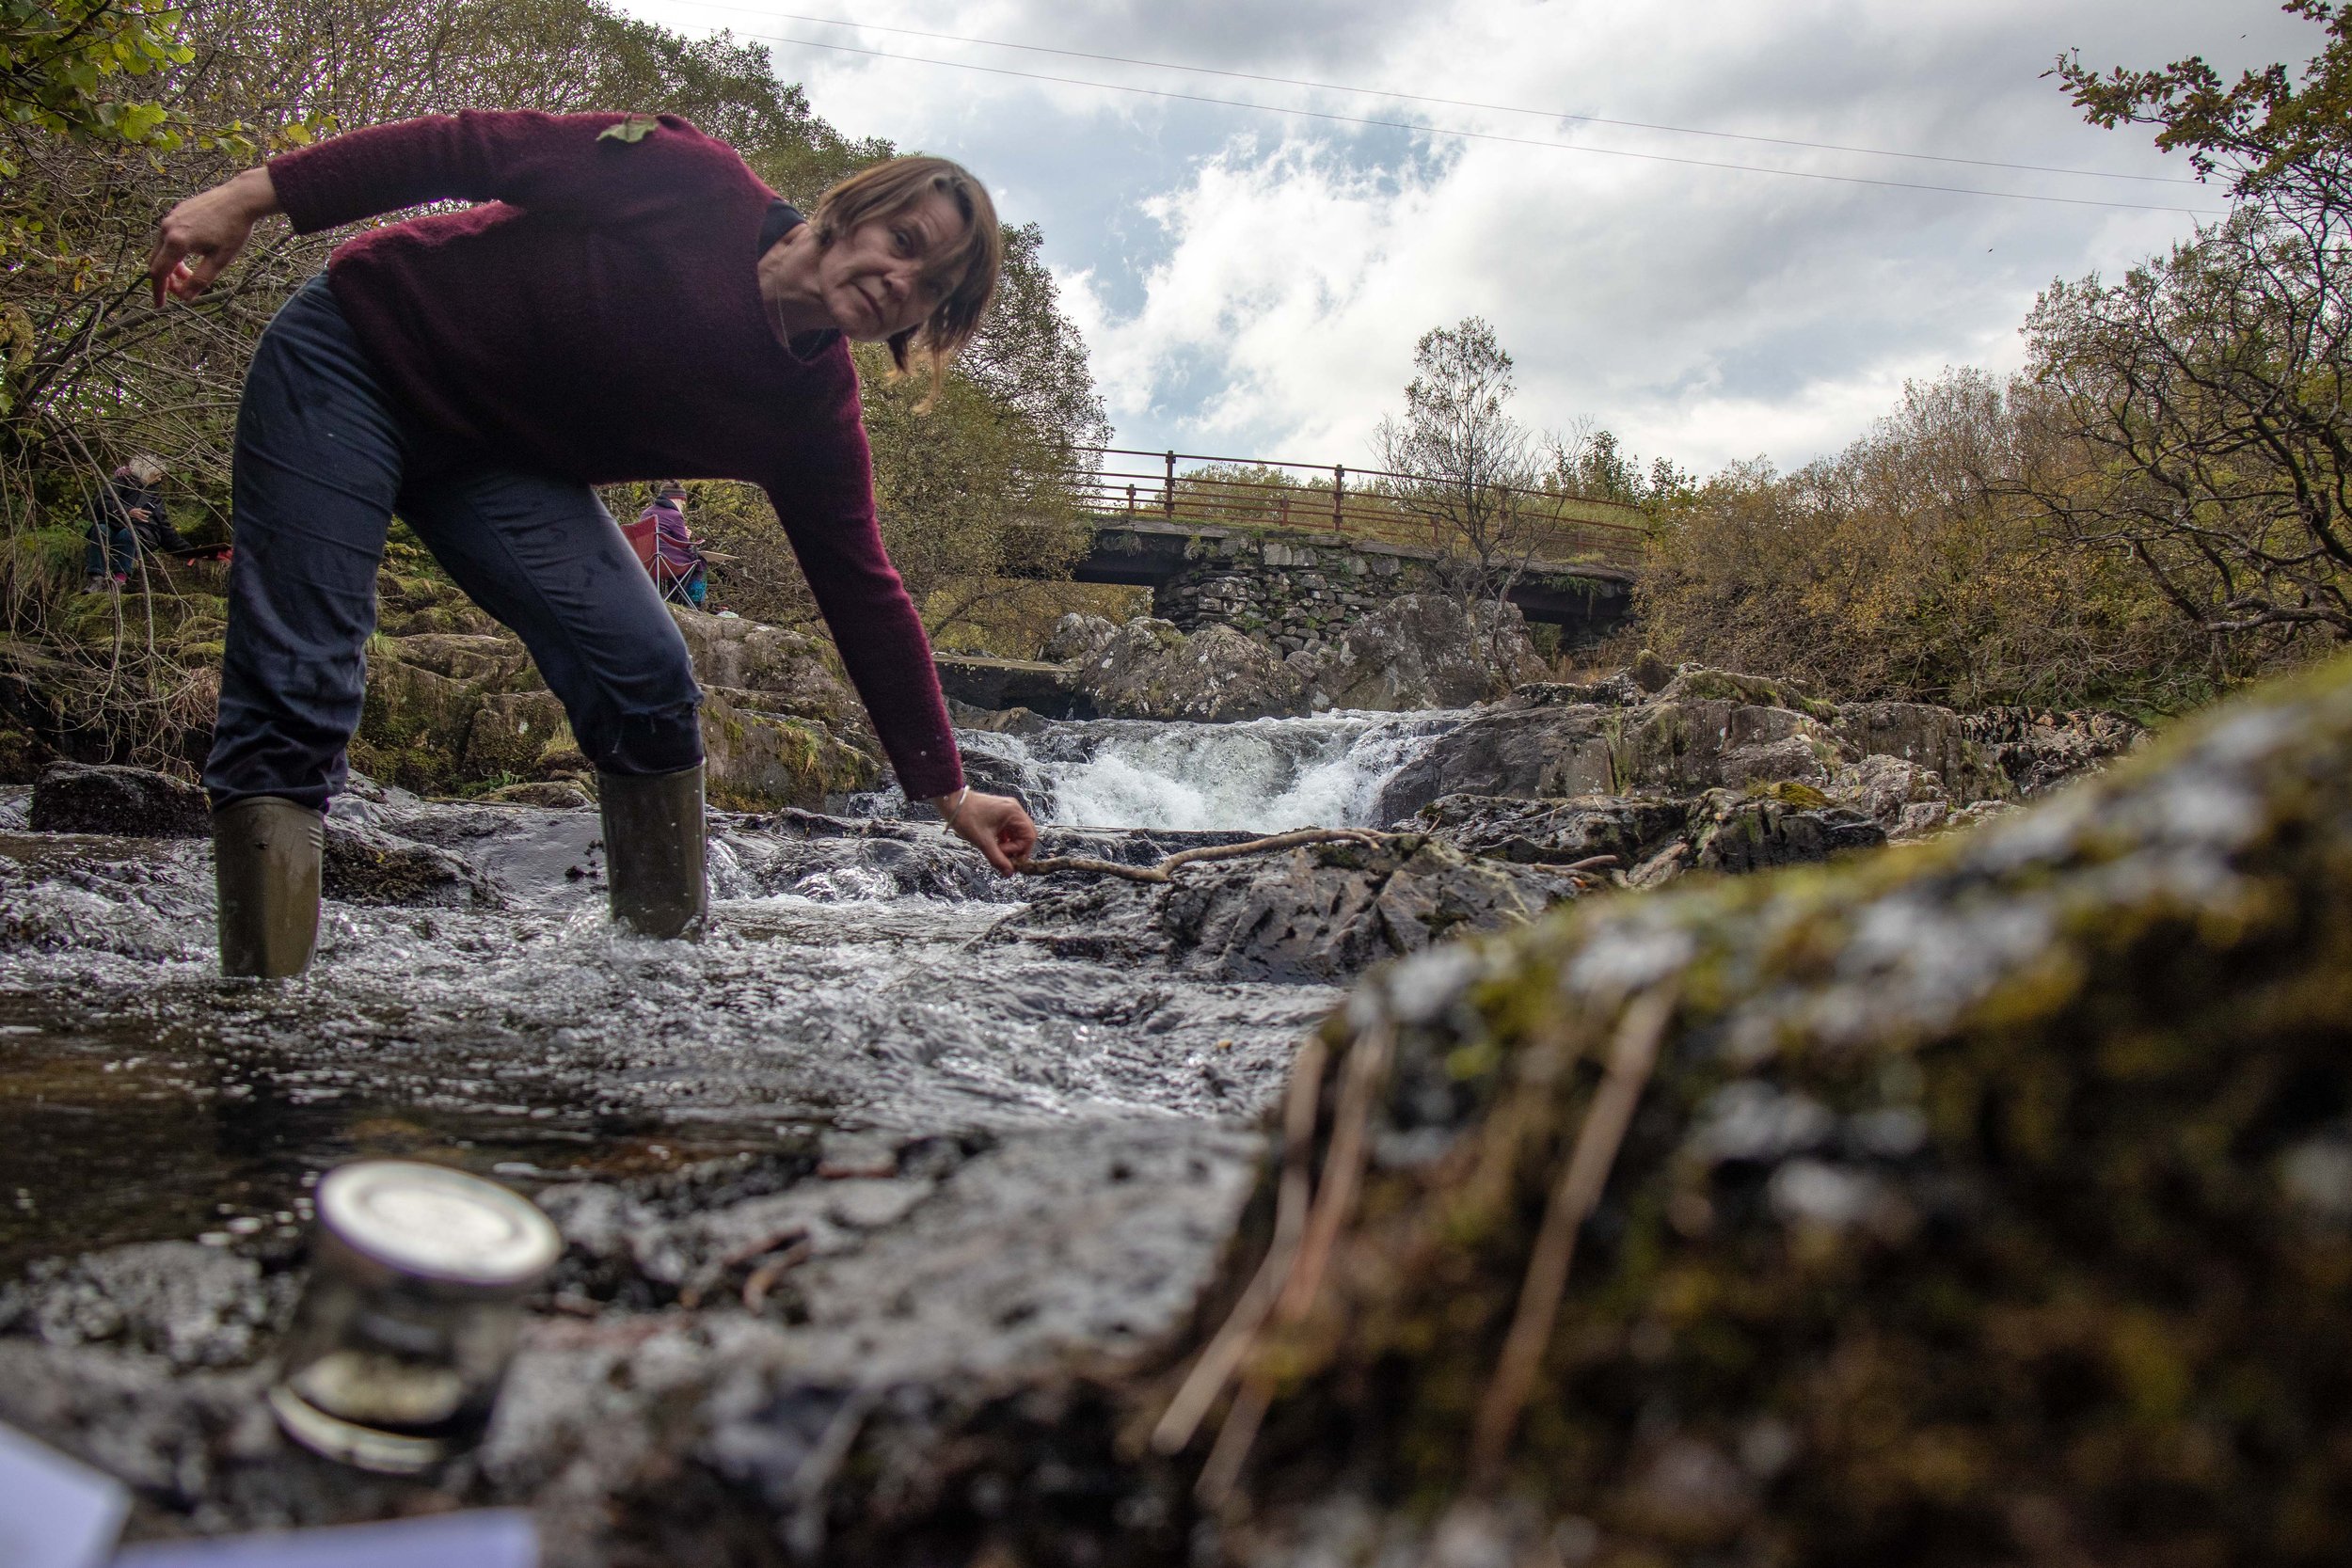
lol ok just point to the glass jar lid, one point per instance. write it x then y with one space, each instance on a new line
437 1224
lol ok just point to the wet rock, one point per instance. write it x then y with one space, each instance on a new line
128 802
553 794
1557 832
1420 651
1316 913
1537 754
1147 669
366 866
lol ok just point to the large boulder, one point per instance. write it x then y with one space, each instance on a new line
128 802
1991 1203
1147 669
1422 651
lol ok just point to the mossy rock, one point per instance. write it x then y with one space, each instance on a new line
1699 685
755 761
1990 1201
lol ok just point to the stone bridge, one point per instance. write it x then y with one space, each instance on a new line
1296 589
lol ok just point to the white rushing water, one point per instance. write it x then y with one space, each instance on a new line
1263 775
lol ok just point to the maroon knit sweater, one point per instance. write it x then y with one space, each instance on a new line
592 270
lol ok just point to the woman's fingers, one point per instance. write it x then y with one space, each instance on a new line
199 237
998 828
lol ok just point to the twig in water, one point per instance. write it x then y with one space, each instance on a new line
1632 1056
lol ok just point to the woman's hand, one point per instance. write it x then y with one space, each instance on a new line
202 235
994 824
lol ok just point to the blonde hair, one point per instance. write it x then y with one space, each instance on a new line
893 187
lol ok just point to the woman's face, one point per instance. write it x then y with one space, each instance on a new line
875 280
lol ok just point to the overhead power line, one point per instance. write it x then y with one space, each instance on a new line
1484 135
1446 103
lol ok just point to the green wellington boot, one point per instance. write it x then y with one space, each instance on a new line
653 851
265 864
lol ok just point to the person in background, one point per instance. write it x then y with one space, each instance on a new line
126 516
678 568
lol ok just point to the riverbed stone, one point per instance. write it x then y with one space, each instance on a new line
130 802
1316 913
366 866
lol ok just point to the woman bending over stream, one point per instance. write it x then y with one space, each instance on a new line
477 371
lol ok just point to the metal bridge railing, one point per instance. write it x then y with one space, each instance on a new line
1370 504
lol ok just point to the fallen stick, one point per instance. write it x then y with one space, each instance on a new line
1632 1056
1164 871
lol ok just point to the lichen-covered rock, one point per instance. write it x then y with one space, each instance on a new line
1149 670
756 760
129 802
1078 638
1420 651
1938 740
1317 913
1902 796
1989 1202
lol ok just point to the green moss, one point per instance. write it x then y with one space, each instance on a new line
2086 1317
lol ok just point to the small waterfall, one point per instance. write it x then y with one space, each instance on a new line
1262 775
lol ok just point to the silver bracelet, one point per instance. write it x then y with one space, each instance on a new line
956 810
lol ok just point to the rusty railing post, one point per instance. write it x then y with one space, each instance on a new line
1167 496
1131 501
1339 491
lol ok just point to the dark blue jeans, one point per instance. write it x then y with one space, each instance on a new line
326 455
109 550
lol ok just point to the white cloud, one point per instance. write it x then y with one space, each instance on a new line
1254 284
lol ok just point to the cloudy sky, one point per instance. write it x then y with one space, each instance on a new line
1251 282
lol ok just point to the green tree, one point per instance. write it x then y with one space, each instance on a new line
1913 566
1472 469
2210 384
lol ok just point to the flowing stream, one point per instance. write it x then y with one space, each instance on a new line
848 990
1262 775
